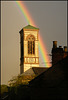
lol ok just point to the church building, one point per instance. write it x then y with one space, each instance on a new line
29 54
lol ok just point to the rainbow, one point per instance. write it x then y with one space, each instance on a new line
27 16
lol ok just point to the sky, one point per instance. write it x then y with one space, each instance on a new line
49 16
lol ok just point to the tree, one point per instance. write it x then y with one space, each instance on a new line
21 79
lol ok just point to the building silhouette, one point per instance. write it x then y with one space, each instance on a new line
52 83
58 53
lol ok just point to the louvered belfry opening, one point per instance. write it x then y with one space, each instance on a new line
31 44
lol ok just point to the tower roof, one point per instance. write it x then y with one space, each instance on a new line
30 27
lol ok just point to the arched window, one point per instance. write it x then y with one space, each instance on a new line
31 44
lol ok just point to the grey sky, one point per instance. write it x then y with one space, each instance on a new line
51 19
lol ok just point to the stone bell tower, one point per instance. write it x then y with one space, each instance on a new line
29 56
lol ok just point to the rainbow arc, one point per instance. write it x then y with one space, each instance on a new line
30 21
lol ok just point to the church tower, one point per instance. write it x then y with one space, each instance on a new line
29 56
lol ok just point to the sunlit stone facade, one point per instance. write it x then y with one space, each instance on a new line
29 48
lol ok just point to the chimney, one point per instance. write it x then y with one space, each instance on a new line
54 44
65 48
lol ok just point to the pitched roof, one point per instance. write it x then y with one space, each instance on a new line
30 27
39 70
35 71
55 75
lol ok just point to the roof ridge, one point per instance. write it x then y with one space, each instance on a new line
30 27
